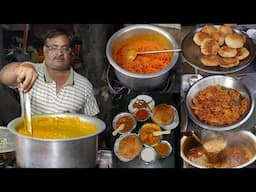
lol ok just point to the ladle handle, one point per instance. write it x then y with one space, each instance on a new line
196 137
26 111
120 128
157 133
159 51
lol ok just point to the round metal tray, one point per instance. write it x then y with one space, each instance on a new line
224 81
192 54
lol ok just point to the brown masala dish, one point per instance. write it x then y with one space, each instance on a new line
219 106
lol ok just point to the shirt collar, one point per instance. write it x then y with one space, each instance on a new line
48 78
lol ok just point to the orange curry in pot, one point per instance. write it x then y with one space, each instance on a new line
146 63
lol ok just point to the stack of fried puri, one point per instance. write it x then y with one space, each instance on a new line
163 114
221 46
129 146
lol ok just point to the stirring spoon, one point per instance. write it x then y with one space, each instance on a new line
214 145
132 54
26 111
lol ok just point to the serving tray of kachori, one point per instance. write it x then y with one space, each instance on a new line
218 49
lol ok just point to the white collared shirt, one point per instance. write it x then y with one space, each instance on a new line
76 96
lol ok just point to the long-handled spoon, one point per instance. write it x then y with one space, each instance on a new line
132 54
26 111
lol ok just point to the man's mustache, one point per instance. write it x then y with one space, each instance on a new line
59 58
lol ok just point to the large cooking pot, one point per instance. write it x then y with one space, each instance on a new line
235 140
140 82
80 152
225 81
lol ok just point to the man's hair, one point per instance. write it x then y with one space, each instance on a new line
56 32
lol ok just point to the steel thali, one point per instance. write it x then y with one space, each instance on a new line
192 53
224 81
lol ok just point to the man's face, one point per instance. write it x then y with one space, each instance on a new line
57 53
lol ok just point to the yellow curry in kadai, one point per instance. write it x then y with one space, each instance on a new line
58 128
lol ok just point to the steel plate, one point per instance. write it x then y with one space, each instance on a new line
192 54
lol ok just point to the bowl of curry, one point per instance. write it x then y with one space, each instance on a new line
125 118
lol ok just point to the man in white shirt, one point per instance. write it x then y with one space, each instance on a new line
53 86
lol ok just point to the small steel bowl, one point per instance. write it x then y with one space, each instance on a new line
150 136
136 114
167 153
123 114
148 155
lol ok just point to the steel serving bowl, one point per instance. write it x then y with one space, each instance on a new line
124 114
234 138
225 81
141 82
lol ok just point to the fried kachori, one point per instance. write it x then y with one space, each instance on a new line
230 62
226 51
221 42
199 37
211 60
209 29
209 47
242 53
163 114
225 29
219 37
129 146
234 40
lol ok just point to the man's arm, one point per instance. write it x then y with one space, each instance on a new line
19 72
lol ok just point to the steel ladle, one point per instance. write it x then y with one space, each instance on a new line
132 54
26 111
211 146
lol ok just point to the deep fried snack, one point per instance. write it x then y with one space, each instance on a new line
229 62
235 40
129 146
211 60
163 114
219 37
242 53
209 47
209 29
225 29
199 37
226 51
